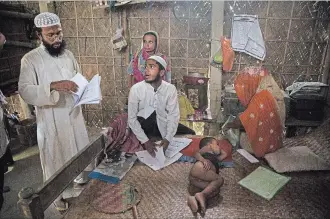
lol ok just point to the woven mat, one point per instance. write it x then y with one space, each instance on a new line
164 195
318 141
114 198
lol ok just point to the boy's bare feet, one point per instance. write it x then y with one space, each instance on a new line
201 201
193 205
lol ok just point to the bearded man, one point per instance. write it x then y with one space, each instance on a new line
45 83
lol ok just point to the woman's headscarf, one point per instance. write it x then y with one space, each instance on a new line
138 75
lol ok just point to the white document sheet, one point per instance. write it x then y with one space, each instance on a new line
162 159
158 162
88 92
82 82
176 145
248 156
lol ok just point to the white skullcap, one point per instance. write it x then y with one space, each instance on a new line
46 19
160 60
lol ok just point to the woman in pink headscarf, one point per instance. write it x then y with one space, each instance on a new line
149 47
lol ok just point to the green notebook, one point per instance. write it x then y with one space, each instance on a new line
264 182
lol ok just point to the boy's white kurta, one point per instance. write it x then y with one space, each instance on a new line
60 134
143 100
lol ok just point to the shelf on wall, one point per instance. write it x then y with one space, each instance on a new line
120 4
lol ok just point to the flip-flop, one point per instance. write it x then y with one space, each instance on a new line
62 208
81 181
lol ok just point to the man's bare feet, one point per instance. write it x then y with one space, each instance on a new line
201 201
193 205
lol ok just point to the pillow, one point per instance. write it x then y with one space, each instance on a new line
193 147
294 159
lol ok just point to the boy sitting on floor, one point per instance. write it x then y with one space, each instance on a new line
205 174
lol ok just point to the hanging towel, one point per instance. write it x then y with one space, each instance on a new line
247 37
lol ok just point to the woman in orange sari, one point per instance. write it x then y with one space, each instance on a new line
263 119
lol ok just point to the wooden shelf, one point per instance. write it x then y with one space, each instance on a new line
118 4
291 121
202 120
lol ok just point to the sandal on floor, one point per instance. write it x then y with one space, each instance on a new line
61 205
81 180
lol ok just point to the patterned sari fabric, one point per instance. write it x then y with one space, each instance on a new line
262 120
115 136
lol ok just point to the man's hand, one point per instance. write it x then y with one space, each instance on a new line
207 164
164 143
151 148
64 86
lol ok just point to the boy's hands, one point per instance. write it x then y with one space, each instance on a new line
151 148
164 143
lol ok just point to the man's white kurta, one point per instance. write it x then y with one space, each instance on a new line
60 134
3 135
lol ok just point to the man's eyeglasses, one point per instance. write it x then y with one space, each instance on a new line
53 36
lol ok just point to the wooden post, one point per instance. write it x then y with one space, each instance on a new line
326 69
215 73
43 7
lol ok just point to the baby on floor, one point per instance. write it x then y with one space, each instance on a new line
204 174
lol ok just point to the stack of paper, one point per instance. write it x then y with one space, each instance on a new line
88 92
113 172
162 159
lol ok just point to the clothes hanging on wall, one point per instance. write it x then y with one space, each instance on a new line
246 36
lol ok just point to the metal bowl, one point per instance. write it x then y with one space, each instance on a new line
196 74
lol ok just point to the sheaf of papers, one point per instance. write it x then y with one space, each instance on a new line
88 92
159 161
162 159
176 145
248 156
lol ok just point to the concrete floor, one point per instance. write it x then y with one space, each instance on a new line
27 172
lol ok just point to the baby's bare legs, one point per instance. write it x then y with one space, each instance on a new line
207 180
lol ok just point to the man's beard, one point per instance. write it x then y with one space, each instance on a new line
158 78
55 51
